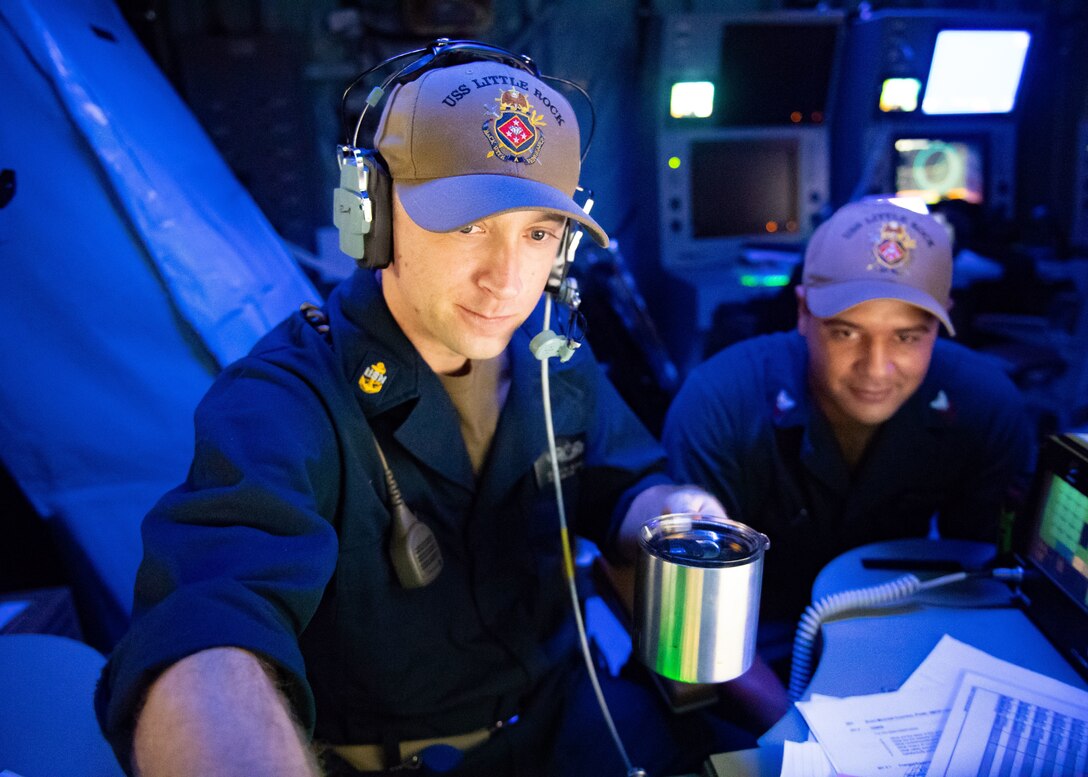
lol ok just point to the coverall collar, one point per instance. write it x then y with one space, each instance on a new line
370 336
388 374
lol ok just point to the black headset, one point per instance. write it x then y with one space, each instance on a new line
363 203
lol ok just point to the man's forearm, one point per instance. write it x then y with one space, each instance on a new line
218 712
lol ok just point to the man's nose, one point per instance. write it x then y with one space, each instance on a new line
499 273
876 360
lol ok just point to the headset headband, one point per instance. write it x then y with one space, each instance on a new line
456 52
362 202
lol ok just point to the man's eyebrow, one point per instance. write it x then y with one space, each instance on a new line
838 322
915 328
842 322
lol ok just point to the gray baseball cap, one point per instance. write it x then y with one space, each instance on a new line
478 139
877 250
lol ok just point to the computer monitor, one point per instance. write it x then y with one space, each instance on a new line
744 186
724 192
955 77
975 71
970 72
1056 550
791 87
742 137
937 170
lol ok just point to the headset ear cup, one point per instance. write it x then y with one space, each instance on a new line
361 207
378 241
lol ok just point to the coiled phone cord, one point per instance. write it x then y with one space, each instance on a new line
834 604
861 598
568 560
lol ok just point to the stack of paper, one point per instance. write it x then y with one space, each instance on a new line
962 712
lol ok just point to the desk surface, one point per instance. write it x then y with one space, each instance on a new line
980 612
877 650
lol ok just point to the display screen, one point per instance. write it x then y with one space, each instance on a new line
744 187
691 100
775 74
975 71
899 95
1059 546
936 170
1054 552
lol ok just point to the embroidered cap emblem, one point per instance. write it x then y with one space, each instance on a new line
373 378
892 247
514 130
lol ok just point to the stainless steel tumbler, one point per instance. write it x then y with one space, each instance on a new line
697 596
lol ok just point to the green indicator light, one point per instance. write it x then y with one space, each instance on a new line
674 162
769 281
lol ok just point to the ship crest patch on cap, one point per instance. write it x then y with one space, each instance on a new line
892 247
514 130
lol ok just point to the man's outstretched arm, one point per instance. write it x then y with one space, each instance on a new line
219 712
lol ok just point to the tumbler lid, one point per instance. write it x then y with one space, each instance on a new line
697 540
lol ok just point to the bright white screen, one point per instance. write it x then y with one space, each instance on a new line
691 100
975 71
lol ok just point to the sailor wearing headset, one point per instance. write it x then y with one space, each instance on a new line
365 555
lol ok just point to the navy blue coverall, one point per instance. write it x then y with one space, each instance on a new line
277 541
